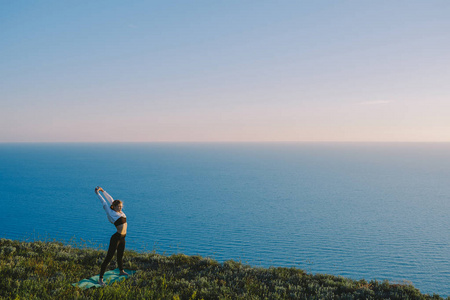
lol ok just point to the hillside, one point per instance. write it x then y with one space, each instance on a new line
46 270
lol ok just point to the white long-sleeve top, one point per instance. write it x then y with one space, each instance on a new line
112 215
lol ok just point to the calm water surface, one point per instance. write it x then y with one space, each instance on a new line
373 211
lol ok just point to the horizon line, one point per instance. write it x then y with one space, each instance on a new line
222 142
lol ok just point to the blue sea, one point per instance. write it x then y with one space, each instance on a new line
360 210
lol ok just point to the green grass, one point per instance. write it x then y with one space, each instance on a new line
46 270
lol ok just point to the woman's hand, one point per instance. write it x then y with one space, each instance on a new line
98 189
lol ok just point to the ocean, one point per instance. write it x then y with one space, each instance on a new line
359 210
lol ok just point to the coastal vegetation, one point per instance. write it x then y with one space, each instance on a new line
46 270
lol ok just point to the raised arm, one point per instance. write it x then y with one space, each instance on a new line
107 196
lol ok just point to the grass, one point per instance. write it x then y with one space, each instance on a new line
46 270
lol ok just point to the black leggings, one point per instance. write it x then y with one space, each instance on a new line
117 242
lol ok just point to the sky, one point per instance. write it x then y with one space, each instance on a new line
224 71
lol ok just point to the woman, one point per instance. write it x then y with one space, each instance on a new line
116 216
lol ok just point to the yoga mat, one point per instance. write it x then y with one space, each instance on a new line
109 278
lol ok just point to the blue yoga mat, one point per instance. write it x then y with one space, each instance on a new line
109 278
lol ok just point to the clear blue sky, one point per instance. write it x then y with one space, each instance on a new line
132 71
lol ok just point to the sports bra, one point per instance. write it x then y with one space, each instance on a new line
120 221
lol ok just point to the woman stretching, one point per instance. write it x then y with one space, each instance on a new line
115 215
